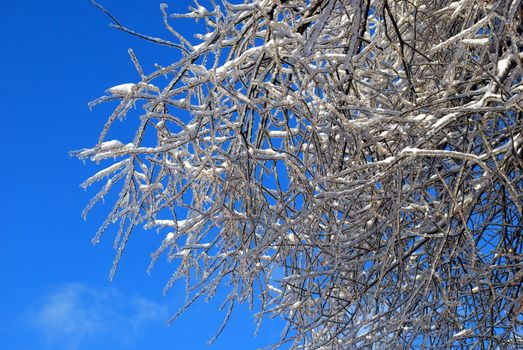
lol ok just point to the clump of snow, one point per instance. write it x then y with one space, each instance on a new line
128 88
122 89
110 144
169 223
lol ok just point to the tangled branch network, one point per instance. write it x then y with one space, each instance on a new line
352 166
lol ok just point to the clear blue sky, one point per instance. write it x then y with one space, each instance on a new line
55 57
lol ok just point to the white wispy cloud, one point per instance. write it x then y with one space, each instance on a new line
74 316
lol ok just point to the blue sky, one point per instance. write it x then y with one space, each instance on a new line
55 57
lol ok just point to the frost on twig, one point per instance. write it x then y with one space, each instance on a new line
354 167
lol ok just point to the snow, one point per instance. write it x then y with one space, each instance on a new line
205 36
223 70
240 213
181 224
202 11
184 253
296 304
191 126
503 65
388 160
122 89
269 154
99 153
461 35
140 176
463 333
274 289
454 5
128 88
187 165
105 172
256 92
171 223
263 3
444 120
476 41
198 47
110 144
199 69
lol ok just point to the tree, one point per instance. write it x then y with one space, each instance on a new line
368 151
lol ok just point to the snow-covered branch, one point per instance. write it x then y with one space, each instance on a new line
354 167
